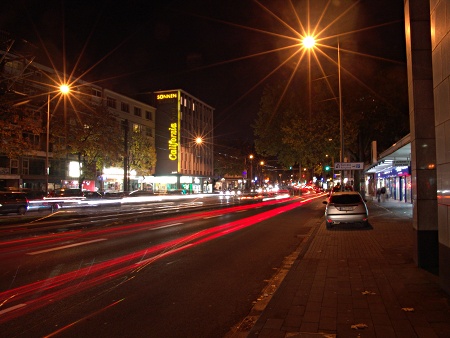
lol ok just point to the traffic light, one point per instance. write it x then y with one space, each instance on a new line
327 168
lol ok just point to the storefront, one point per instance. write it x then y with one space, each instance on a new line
392 170
181 184
397 182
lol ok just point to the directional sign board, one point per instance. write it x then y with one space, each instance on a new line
348 165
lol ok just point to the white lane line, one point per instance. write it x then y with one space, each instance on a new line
213 216
66 246
12 308
165 226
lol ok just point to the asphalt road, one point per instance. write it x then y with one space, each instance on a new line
191 275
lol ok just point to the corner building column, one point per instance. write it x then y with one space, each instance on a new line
440 46
422 131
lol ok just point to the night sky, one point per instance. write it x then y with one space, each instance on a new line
215 50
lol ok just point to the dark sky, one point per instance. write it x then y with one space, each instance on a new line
201 46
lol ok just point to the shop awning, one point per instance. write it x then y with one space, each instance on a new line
398 155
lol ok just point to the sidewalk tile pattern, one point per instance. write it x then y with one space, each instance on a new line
359 282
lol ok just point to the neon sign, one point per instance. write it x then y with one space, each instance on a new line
173 142
166 96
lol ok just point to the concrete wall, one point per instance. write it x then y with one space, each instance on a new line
440 46
422 133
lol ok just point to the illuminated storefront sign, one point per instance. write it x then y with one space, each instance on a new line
395 172
168 147
166 96
173 142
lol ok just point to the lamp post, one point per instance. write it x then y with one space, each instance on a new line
251 171
47 145
309 43
198 154
63 89
261 178
341 116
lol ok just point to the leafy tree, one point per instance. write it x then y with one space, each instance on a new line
295 134
93 134
18 125
287 131
381 116
142 154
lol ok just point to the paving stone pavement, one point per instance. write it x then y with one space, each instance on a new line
355 281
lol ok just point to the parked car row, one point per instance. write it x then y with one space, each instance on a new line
18 202
13 202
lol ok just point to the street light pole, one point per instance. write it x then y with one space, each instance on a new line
47 171
309 43
341 117
251 171
63 89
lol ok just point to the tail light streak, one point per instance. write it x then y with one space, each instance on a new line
67 284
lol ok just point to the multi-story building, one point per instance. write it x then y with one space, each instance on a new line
184 143
32 87
135 116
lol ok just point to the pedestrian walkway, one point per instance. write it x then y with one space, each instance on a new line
358 282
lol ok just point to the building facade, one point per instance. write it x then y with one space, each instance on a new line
138 117
428 60
184 143
32 88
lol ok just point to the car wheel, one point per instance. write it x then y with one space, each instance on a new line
328 225
22 210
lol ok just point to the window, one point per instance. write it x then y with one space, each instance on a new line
96 92
125 107
25 166
148 115
33 139
110 102
136 128
137 111
14 167
148 131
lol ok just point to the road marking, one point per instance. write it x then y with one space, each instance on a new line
12 308
165 226
213 216
66 246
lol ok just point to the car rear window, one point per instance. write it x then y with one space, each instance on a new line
345 199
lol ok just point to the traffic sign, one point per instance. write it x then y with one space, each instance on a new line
349 166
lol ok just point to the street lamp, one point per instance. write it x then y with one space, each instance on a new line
251 170
261 178
309 43
63 89
341 118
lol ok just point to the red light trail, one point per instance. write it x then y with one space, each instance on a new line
67 284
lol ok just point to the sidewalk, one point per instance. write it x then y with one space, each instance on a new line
358 282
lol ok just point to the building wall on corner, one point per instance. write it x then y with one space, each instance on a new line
440 29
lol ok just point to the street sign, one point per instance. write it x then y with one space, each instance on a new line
349 166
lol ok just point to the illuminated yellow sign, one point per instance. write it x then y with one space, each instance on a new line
173 142
166 96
